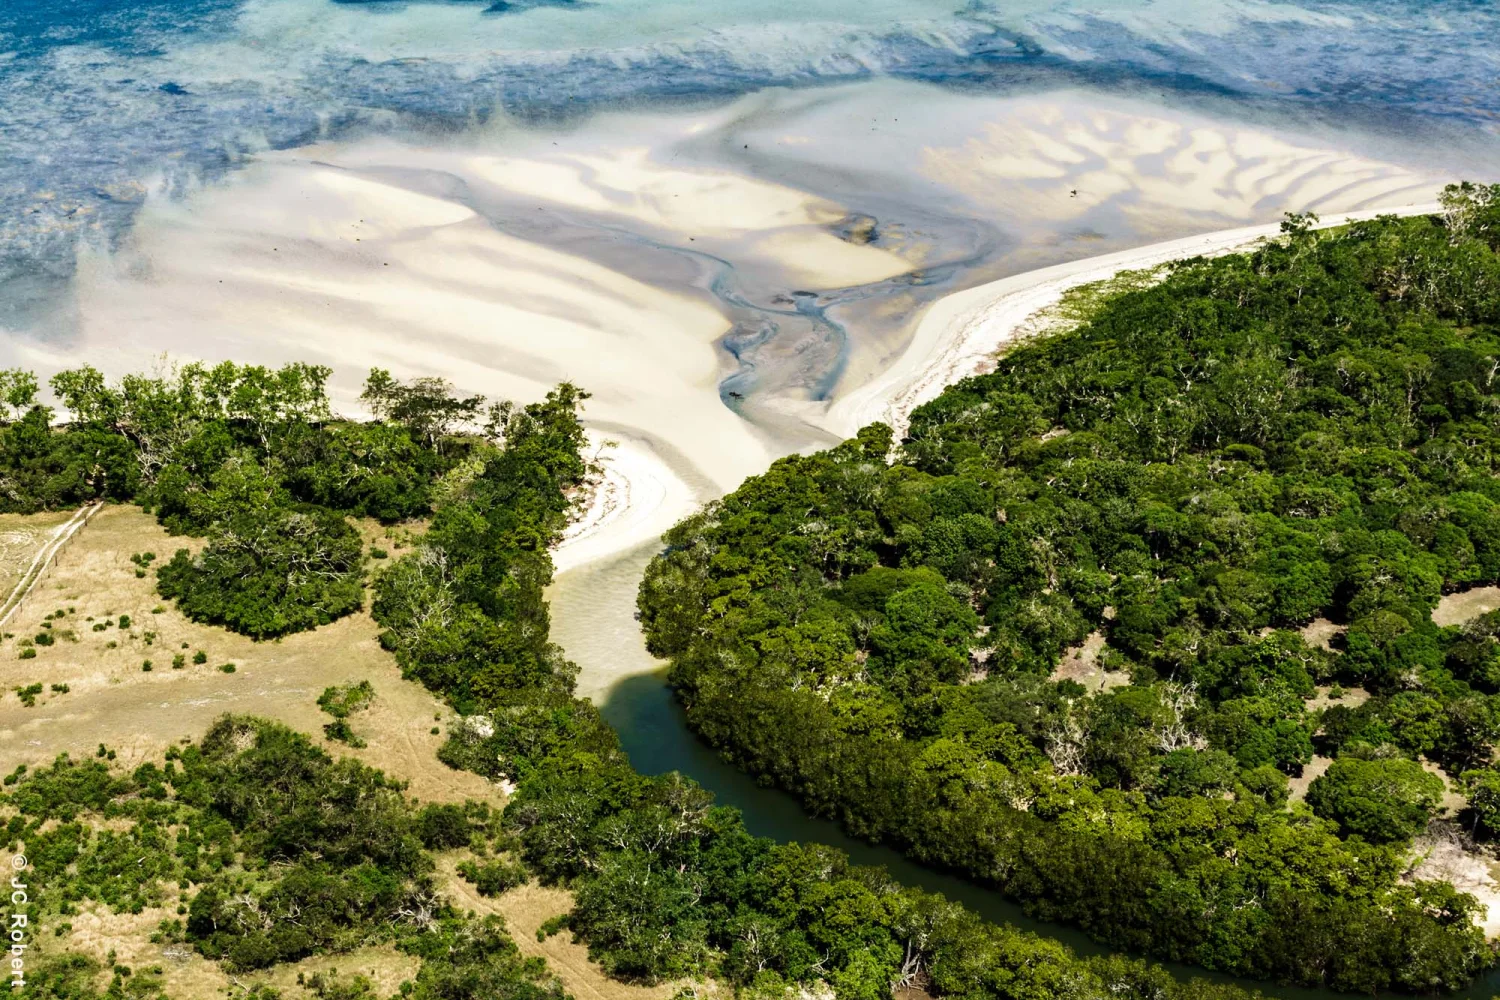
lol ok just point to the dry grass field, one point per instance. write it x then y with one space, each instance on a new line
524 909
110 699
22 536
187 975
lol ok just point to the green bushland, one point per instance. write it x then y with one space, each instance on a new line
252 459
1202 465
666 883
275 851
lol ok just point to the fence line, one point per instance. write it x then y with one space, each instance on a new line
45 560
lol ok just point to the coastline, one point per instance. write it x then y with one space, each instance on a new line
962 331
634 499
640 496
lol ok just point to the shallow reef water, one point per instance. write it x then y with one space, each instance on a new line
105 100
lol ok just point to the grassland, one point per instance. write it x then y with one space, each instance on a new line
95 691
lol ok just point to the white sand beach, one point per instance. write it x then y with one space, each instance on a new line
730 284
962 333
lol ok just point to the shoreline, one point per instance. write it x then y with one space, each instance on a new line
639 496
962 331
634 499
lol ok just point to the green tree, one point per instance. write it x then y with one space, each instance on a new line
1382 800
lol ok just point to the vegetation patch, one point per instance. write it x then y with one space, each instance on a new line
272 850
341 702
1195 466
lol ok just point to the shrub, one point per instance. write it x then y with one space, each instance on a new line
494 877
1382 800
269 572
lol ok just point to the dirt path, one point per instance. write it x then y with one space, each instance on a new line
38 566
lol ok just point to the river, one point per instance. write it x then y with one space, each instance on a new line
593 618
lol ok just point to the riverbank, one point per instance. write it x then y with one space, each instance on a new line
959 336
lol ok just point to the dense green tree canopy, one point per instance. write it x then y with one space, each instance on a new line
1212 458
1379 799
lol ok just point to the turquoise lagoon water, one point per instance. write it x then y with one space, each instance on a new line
103 100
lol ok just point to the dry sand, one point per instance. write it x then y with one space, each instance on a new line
636 497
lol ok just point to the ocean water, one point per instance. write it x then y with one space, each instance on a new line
104 101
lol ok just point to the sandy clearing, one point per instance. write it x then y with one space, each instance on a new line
1322 698
112 700
1081 665
1444 854
1466 605
524 909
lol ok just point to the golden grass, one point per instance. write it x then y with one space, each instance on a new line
97 933
111 700
524 909
21 537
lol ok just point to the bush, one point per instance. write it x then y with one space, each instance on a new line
1382 800
341 702
443 827
494 877
269 572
